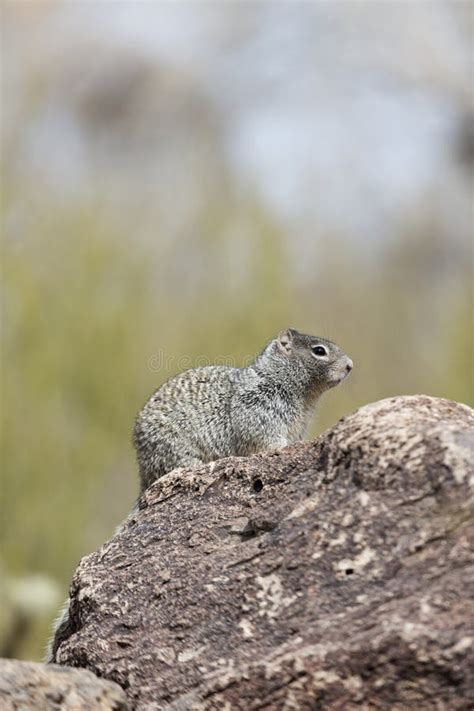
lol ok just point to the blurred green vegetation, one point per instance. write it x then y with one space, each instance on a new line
86 306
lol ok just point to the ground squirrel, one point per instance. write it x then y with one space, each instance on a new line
217 411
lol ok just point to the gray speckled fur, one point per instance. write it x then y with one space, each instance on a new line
208 413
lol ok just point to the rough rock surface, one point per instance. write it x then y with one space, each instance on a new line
26 685
334 574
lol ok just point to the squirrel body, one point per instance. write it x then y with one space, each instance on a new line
207 413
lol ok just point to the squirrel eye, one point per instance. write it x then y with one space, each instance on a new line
319 350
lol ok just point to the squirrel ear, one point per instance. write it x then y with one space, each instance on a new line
285 341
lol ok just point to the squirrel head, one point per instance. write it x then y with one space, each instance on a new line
322 362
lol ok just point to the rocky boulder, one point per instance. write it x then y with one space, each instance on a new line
334 574
26 685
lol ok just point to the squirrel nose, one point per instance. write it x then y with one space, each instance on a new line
349 365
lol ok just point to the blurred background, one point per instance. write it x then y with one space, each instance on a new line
186 179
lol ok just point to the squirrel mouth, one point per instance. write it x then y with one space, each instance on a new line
342 375
339 377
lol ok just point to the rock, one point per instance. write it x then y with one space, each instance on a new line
333 574
27 685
